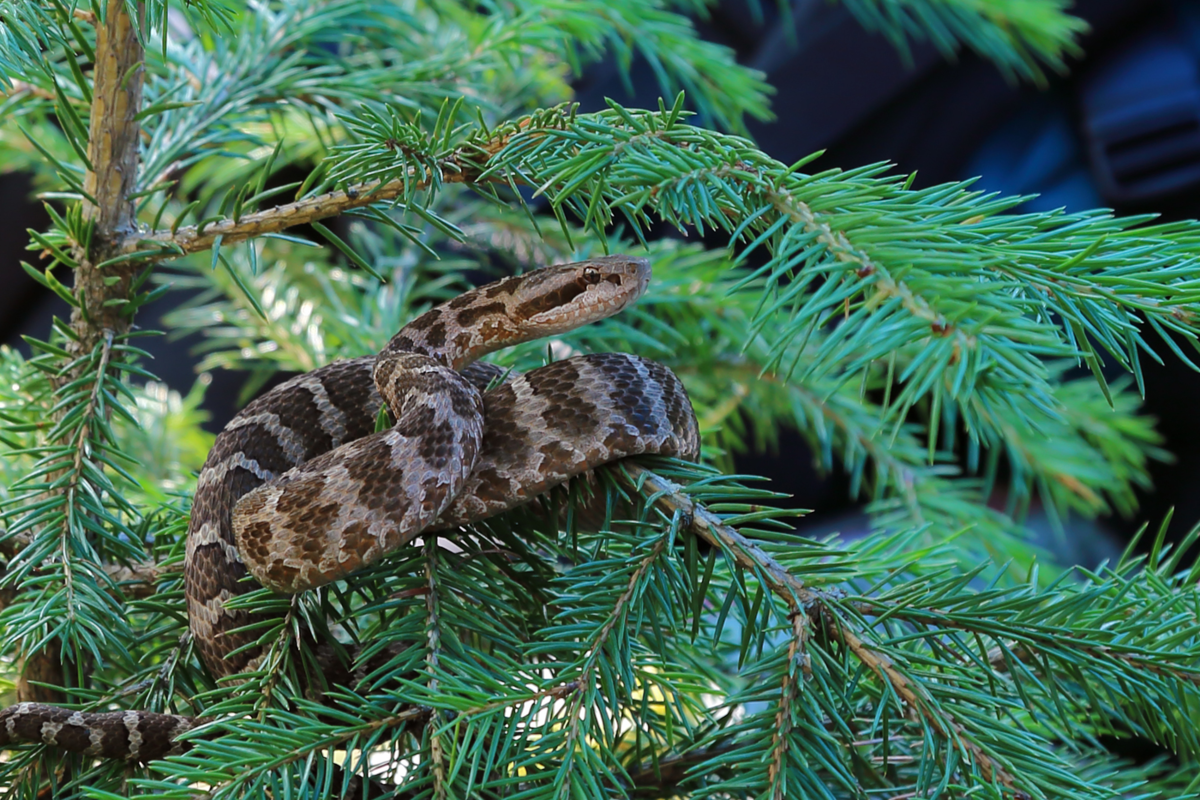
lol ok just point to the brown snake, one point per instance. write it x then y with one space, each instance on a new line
298 489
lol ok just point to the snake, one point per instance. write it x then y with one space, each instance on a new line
300 489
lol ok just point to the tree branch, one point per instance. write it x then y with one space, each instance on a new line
708 526
137 580
433 635
781 738
113 155
662 777
462 166
792 590
21 87
1027 651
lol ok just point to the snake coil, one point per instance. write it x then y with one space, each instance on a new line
299 490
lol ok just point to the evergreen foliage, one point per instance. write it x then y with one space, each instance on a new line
925 341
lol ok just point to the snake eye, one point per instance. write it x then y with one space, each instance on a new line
591 275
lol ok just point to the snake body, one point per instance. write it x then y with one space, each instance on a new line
299 490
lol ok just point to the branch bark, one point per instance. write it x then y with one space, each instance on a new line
113 153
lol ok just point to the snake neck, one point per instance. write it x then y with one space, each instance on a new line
455 334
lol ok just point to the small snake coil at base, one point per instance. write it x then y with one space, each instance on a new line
299 490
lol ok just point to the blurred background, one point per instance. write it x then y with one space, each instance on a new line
1121 130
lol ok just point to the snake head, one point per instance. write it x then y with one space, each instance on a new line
545 302
560 298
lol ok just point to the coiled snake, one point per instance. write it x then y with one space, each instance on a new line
299 490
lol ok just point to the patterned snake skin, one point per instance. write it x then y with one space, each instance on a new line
299 490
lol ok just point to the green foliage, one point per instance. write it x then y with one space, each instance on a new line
672 635
1019 36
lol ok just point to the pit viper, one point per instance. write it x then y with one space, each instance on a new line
300 490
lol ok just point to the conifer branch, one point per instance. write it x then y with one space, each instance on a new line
713 530
850 307
909 692
797 662
575 714
81 431
805 601
407 717
113 159
1018 37
458 167
24 87
1033 643
665 775
113 156
137 581
197 238
844 251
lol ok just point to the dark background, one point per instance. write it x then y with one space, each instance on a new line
1122 130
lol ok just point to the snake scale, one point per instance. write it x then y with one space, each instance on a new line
299 490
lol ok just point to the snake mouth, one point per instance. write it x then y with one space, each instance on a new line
559 298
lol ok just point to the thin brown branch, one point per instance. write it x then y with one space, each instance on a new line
113 155
193 238
781 737
556 692
136 581
459 167
709 527
663 776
